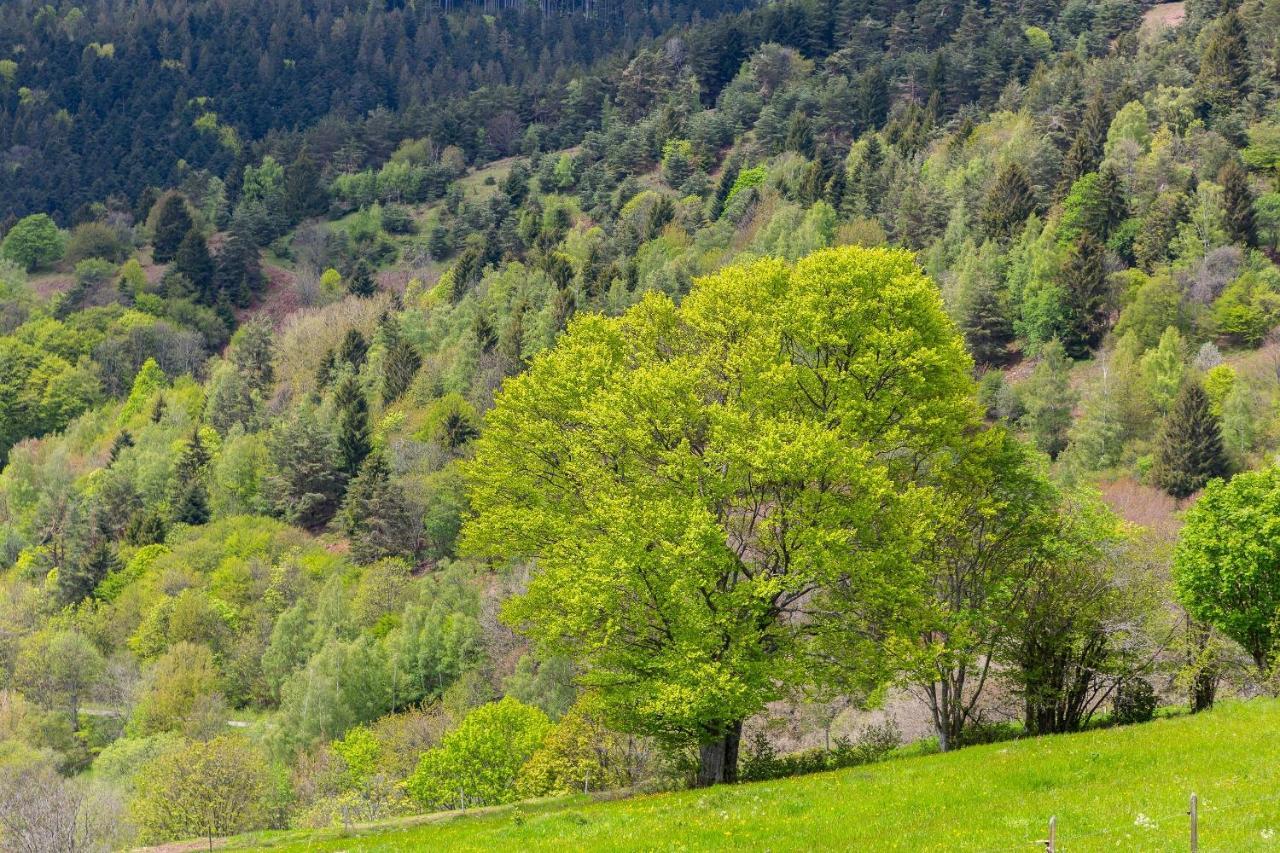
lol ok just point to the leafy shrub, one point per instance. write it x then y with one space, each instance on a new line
1135 702
872 744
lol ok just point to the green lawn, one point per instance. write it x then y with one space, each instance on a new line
1113 789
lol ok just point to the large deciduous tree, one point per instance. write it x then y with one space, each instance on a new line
720 497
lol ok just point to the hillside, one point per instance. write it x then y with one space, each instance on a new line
1125 788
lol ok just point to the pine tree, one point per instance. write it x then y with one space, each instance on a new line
193 261
401 361
353 349
305 478
188 497
352 410
1049 400
1224 65
239 274
1237 202
122 442
78 582
835 188
727 179
987 328
361 282
1086 149
376 515
1112 192
304 194
1190 451
1009 202
172 224
1084 283
800 135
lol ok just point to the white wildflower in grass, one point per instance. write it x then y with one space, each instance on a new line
1144 822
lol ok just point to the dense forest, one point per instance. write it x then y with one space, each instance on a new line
408 408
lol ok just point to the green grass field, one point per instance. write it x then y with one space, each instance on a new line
1113 789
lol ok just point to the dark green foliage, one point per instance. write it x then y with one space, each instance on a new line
361 282
353 349
1190 451
352 412
253 353
400 361
376 516
1086 149
239 274
1237 203
122 442
1009 202
1084 282
988 331
188 496
304 194
1224 63
193 261
1135 702
306 479
172 224
77 582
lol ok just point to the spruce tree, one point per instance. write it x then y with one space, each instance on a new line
172 224
401 360
78 582
188 497
1190 451
353 349
1084 284
1086 149
376 515
304 193
987 328
1223 79
1237 203
193 261
239 274
1009 202
305 478
122 442
1049 400
361 282
352 411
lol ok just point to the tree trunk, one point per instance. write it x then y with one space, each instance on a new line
718 758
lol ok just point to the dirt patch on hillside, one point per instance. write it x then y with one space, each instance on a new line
1159 18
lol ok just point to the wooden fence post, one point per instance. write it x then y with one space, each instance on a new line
1195 823
1051 844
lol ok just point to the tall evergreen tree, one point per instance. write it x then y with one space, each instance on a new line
1224 63
1084 284
239 273
401 360
1237 203
188 497
305 478
353 349
352 410
1049 400
193 261
1190 451
77 582
172 224
1086 149
1009 202
361 281
987 328
304 194
376 515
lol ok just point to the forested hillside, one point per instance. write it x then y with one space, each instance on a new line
407 408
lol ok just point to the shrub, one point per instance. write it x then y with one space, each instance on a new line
1135 702
872 744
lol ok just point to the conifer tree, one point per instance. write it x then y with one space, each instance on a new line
192 260
353 349
1009 202
727 179
987 328
239 273
188 497
304 193
1084 283
1224 64
361 282
1049 400
122 442
1086 149
305 479
77 582
376 515
1237 203
172 224
352 411
401 360
1190 451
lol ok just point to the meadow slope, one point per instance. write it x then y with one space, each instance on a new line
1118 789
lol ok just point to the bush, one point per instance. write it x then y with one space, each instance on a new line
872 744
1135 702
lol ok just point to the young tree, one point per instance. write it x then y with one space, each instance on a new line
188 495
306 478
1190 451
1049 400
253 353
33 242
352 410
1009 202
202 789
1224 568
1084 283
361 281
1237 203
76 583
400 361
173 223
1086 149
193 261
690 482
376 515
58 668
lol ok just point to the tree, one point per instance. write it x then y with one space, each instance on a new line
376 515
202 789
58 667
353 349
1009 202
75 583
1223 79
400 361
1237 203
1086 149
352 410
994 514
173 223
306 478
1084 284
193 261
1190 452
1225 566
183 687
987 328
478 763
688 478
361 281
188 495
1049 400
40 812
304 193
253 353
239 274
33 242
